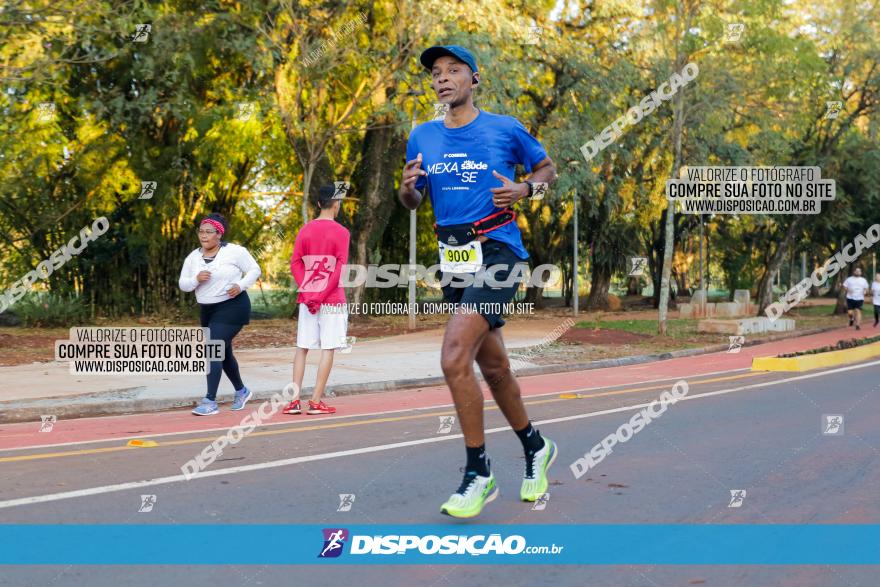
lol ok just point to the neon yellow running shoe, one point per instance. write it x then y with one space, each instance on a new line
535 482
475 492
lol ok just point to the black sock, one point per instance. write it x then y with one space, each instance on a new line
476 460
531 439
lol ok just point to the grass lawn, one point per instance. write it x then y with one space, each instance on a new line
677 328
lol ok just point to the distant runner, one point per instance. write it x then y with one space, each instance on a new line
855 286
470 157
875 298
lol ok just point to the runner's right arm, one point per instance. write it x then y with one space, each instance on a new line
297 266
188 280
409 195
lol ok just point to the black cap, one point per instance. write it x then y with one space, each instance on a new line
328 193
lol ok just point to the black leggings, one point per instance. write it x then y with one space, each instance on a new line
224 332
876 315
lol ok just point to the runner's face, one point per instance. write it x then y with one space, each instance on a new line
209 238
451 80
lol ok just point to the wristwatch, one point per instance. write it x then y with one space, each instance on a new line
531 188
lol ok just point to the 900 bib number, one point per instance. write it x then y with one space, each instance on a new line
456 256
463 259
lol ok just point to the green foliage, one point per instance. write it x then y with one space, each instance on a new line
47 310
677 327
226 110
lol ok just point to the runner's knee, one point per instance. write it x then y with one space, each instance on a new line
455 358
495 373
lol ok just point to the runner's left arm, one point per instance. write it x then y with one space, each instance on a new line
249 267
543 172
529 151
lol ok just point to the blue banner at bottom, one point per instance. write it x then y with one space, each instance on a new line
760 544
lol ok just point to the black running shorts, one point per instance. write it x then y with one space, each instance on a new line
482 298
854 304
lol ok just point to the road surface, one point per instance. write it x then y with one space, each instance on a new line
735 430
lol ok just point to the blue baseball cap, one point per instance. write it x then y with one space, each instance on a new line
429 56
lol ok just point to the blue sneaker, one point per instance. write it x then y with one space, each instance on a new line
241 398
208 407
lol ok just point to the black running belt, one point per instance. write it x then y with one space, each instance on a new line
462 234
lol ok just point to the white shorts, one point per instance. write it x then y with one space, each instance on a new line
325 330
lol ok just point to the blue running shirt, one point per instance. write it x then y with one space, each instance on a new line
460 161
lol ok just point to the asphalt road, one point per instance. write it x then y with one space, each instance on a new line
758 432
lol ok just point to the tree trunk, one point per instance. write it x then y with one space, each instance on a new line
814 289
633 286
381 151
599 284
308 171
677 127
681 280
840 307
765 286
535 295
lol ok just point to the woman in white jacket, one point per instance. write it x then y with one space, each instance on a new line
220 273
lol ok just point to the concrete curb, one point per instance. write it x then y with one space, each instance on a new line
133 400
818 360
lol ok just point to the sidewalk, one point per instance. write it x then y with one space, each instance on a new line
404 361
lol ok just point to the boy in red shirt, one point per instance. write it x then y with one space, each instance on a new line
319 254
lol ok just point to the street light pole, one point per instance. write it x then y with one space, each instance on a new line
411 292
574 268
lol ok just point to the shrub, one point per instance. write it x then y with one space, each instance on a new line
46 309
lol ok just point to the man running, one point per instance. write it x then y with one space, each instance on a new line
875 298
321 248
470 157
855 286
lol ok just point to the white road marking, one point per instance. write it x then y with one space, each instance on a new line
382 447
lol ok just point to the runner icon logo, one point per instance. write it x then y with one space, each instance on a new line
147 503
148 188
446 424
318 270
141 33
45 111
533 35
346 500
833 109
347 343
539 190
736 344
541 502
734 32
245 111
334 540
638 266
832 424
47 423
737 497
342 188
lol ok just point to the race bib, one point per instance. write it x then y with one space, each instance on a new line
464 259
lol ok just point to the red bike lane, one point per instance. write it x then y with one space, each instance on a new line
105 428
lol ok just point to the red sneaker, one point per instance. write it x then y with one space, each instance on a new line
292 408
320 408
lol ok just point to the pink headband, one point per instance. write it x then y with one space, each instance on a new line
215 224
